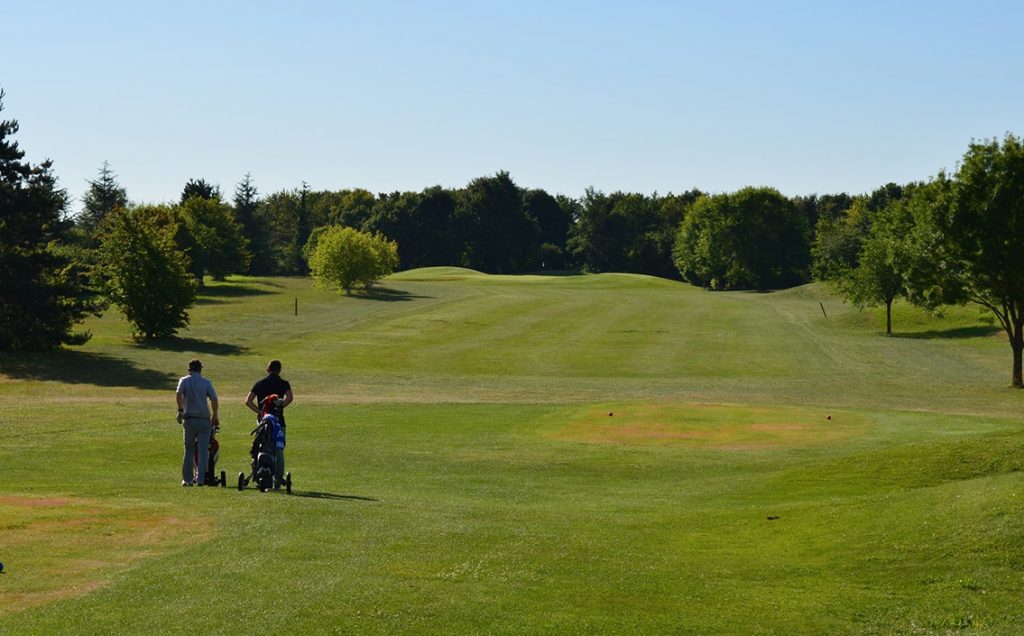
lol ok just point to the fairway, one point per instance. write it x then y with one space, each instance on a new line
525 454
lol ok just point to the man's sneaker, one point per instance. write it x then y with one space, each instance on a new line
185 483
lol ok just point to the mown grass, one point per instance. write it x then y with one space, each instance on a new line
457 470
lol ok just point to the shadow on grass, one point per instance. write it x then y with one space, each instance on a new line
387 294
230 290
981 331
80 367
329 495
192 345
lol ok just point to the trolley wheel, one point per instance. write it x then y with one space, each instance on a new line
223 479
241 481
288 483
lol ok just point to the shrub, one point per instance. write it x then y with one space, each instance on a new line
347 258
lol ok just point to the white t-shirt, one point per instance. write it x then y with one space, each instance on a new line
195 389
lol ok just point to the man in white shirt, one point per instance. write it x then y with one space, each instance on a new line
196 420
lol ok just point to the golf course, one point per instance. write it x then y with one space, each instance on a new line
533 454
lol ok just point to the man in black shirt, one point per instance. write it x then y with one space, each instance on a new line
270 385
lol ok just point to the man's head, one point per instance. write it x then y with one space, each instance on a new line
195 365
274 366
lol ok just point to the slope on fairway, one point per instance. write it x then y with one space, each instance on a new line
452 335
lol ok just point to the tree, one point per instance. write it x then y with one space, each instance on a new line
838 240
498 238
629 232
981 219
345 257
43 296
346 207
825 207
553 223
201 189
145 273
878 277
671 212
573 209
752 239
280 223
704 252
422 224
435 214
104 196
215 240
895 258
396 216
247 215
594 240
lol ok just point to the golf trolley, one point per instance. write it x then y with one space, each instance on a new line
211 478
268 437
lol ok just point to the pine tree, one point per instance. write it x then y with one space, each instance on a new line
104 196
41 297
247 214
200 188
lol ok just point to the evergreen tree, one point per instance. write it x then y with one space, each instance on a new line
104 196
305 225
200 188
247 205
42 295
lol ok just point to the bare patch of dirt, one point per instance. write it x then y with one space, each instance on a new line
35 502
62 547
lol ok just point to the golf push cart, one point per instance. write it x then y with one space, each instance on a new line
268 438
211 478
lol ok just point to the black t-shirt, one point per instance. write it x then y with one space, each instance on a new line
270 385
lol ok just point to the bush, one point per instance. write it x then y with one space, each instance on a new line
347 258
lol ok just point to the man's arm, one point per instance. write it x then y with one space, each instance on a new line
213 407
288 397
179 395
250 403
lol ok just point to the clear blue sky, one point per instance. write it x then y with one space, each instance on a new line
811 96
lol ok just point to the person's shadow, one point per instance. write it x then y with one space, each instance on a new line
312 494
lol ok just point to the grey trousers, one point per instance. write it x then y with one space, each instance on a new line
197 432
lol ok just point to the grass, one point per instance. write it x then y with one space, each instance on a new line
765 469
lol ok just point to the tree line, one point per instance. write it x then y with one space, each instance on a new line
955 238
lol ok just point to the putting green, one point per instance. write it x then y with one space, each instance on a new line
717 426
